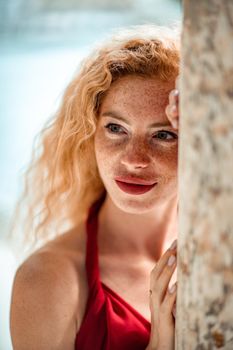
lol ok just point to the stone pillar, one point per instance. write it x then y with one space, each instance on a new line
205 245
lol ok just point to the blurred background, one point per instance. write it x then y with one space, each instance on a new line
41 45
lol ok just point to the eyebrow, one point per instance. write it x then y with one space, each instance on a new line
116 116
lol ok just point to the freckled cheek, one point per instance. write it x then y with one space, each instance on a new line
105 153
105 145
167 158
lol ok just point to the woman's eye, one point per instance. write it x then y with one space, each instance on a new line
114 128
163 135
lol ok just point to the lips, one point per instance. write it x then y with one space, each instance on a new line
134 180
134 188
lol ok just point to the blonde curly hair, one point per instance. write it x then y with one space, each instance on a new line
62 180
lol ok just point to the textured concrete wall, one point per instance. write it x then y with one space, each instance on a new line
205 260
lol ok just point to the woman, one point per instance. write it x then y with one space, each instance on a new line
108 168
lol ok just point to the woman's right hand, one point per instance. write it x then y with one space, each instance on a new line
162 303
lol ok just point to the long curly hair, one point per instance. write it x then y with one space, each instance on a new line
62 180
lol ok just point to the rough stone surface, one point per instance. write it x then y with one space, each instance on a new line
205 246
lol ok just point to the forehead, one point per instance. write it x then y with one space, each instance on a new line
138 96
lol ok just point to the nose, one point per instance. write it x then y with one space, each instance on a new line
135 156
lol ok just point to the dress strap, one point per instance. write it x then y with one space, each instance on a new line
92 267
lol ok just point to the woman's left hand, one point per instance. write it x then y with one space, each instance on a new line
172 109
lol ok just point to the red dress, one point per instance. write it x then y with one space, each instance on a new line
109 323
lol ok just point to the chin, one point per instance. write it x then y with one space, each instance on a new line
134 205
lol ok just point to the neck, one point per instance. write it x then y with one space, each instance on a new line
145 236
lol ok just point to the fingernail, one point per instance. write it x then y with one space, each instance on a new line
173 245
175 92
173 108
172 288
171 260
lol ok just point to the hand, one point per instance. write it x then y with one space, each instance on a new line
172 109
162 303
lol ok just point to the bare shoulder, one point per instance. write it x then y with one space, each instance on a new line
46 295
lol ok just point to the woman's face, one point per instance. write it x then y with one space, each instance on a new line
135 143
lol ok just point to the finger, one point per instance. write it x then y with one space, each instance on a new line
174 310
174 97
169 301
163 281
171 111
170 297
164 258
172 116
175 123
